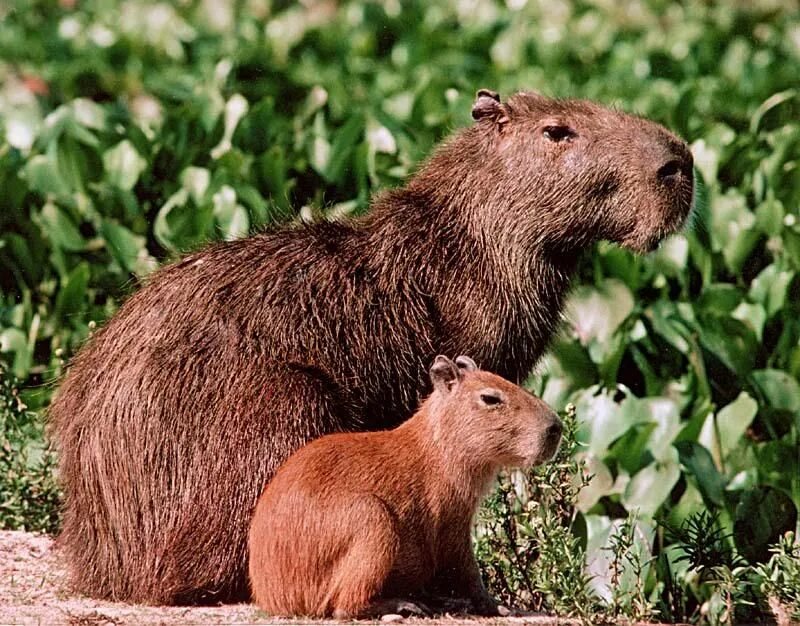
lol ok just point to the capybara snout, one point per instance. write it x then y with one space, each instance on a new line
545 438
536 435
504 422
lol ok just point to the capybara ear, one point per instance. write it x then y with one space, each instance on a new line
444 374
487 105
465 363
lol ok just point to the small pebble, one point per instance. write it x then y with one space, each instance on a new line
503 611
392 618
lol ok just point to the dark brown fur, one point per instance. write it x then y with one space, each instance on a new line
352 520
175 415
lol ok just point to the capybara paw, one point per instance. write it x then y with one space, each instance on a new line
409 609
392 606
486 605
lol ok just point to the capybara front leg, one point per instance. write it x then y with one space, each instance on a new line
460 578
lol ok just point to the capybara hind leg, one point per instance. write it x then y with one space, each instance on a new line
361 574
158 511
266 421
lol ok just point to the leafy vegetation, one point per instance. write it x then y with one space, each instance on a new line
132 130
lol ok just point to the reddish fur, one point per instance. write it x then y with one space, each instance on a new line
174 416
353 518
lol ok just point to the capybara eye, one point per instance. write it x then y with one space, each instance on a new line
558 133
491 399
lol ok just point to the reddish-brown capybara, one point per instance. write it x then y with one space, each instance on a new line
174 416
355 519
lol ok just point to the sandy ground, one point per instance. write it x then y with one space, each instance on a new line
33 591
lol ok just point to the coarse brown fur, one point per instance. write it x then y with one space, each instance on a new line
356 519
173 417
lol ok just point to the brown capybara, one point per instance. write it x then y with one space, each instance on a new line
174 416
355 519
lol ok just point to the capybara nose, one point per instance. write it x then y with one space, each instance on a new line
677 163
554 430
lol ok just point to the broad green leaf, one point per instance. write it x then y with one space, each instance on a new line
730 340
650 487
753 315
229 214
780 390
235 109
15 341
88 113
60 229
700 466
596 312
762 516
720 297
43 176
732 228
196 180
341 150
769 216
600 484
166 232
123 165
127 248
722 432
601 420
769 288
71 298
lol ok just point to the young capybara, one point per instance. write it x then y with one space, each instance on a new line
176 413
351 519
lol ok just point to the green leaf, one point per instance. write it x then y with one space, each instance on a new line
720 298
769 216
123 165
341 149
779 389
732 228
649 489
196 180
769 288
723 431
773 101
60 229
601 421
127 248
71 298
230 216
729 340
596 312
180 225
761 517
700 466
14 340
43 176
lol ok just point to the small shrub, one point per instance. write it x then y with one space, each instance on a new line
529 556
29 495
779 578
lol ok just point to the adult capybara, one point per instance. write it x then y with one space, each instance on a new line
174 416
354 520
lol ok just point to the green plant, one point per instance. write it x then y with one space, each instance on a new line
779 578
133 130
526 548
628 575
29 495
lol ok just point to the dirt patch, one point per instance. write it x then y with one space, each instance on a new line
33 590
